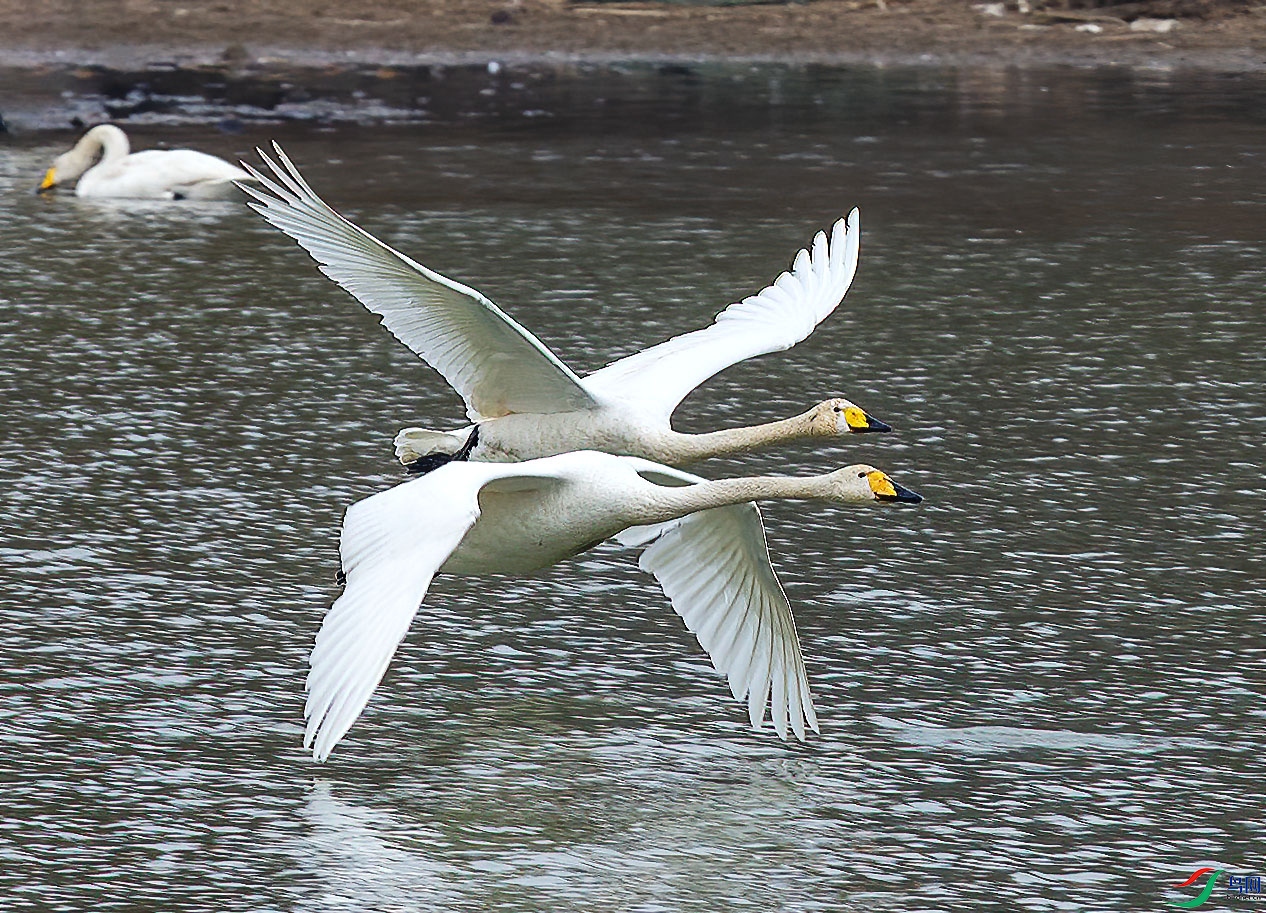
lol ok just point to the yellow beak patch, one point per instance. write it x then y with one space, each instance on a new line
880 484
50 179
856 418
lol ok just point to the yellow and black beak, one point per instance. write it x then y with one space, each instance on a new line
49 182
860 423
886 489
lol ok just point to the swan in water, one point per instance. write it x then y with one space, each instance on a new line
524 401
156 174
706 546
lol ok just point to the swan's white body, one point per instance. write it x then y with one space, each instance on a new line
527 403
706 548
157 174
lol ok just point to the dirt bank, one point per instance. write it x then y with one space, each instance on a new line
1208 34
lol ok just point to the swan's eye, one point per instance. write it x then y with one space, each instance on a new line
839 409
861 475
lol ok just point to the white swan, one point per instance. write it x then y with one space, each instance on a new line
706 548
156 174
525 401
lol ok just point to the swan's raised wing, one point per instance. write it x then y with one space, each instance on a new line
714 567
776 318
392 545
496 365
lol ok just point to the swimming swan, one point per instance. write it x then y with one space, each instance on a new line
706 547
156 174
525 401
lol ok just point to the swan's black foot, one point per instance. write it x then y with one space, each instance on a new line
432 461
424 464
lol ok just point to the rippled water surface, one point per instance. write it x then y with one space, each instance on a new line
1041 689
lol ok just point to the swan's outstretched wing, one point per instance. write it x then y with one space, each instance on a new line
777 318
496 365
714 567
392 545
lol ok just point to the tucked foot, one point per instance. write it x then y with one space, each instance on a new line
414 443
424 464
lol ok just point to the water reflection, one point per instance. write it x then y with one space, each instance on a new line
1040 686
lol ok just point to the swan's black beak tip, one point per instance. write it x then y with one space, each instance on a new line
862 423
901 495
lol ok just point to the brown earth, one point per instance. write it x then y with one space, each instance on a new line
1208 34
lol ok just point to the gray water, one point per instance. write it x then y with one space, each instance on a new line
1041 689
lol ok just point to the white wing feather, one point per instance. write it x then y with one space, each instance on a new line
775 319
392 545
496 365
714 567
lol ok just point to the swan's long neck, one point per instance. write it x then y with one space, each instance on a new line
672 503
105 140
108 139
690 448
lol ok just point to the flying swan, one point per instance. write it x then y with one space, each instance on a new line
156 174
706 546
524 401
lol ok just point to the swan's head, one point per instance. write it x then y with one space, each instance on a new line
66 167
839 416
102 140
70 166
867 484
52 178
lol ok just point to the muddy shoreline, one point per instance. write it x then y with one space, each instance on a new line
1206 34
157 61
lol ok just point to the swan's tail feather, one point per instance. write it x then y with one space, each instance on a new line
414 443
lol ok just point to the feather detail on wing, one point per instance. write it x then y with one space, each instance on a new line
392 545
775 319
496 365
714 567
